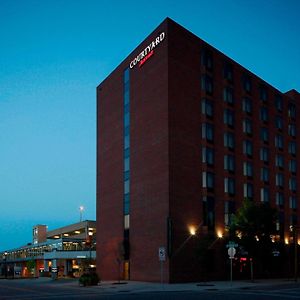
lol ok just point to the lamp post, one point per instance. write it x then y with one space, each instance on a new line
91 244
5 264
294 229
81 209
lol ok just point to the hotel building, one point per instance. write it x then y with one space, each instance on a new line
185 134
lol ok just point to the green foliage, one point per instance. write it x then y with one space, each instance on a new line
30 264
253 225
87 279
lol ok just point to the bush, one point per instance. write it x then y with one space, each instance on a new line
87 279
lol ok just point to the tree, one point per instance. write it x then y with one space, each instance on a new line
253 226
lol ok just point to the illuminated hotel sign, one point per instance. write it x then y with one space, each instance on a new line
147 52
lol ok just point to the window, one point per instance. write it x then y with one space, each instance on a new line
292 130
228 71
208 155
126 204
247 126
264 154
208 131
263 93
207 59
228 95
207 108
264 114
247 147
207 84
264 194
279 141
248 168
229 163
247 83
292 110
264 174
229 140
126 186
229 185
292 148
229 210
279 161
293 184
279 199
247 105
293 166
293 220
278 103
126 164
293 202
264 134
126 141
229 117
279 179
207 180
248 191
126 175
208 212
278 122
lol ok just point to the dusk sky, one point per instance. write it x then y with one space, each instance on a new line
53 54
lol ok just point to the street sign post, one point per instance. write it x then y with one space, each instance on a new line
161 258
231 253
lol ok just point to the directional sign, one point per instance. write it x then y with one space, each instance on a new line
231 252
231 244
162 253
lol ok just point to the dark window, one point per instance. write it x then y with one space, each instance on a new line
264 174
208 155
293 220
229 185
293 166
207 59
207 108
228 72
207 180
279 141
208 212
126 153
279 179
247 105
229 163
293 202
126 204
263 114
247 148
278 103
248 169
279 199
126 186
126 175
292 130
208 132
292 148
264 154
247 126
279 160
264 194
293 184
247 83
292 110
229 117
248 191
278 123
263 93
264 134
126 164
228 95
229 140
207 84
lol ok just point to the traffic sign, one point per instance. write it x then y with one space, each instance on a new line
231 244
231 252
162 253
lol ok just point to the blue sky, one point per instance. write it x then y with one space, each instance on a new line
53 54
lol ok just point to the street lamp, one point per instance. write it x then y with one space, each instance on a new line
81 209
5 265
91 244
294 230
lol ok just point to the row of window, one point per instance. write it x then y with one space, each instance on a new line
229 183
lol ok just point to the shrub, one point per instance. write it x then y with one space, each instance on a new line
87 279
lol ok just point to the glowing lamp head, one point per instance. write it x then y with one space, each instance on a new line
219 234
81 208
192 230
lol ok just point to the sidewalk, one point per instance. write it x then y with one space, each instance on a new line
139 287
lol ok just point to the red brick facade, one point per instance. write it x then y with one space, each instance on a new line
166 166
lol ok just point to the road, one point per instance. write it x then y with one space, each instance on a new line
35 290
